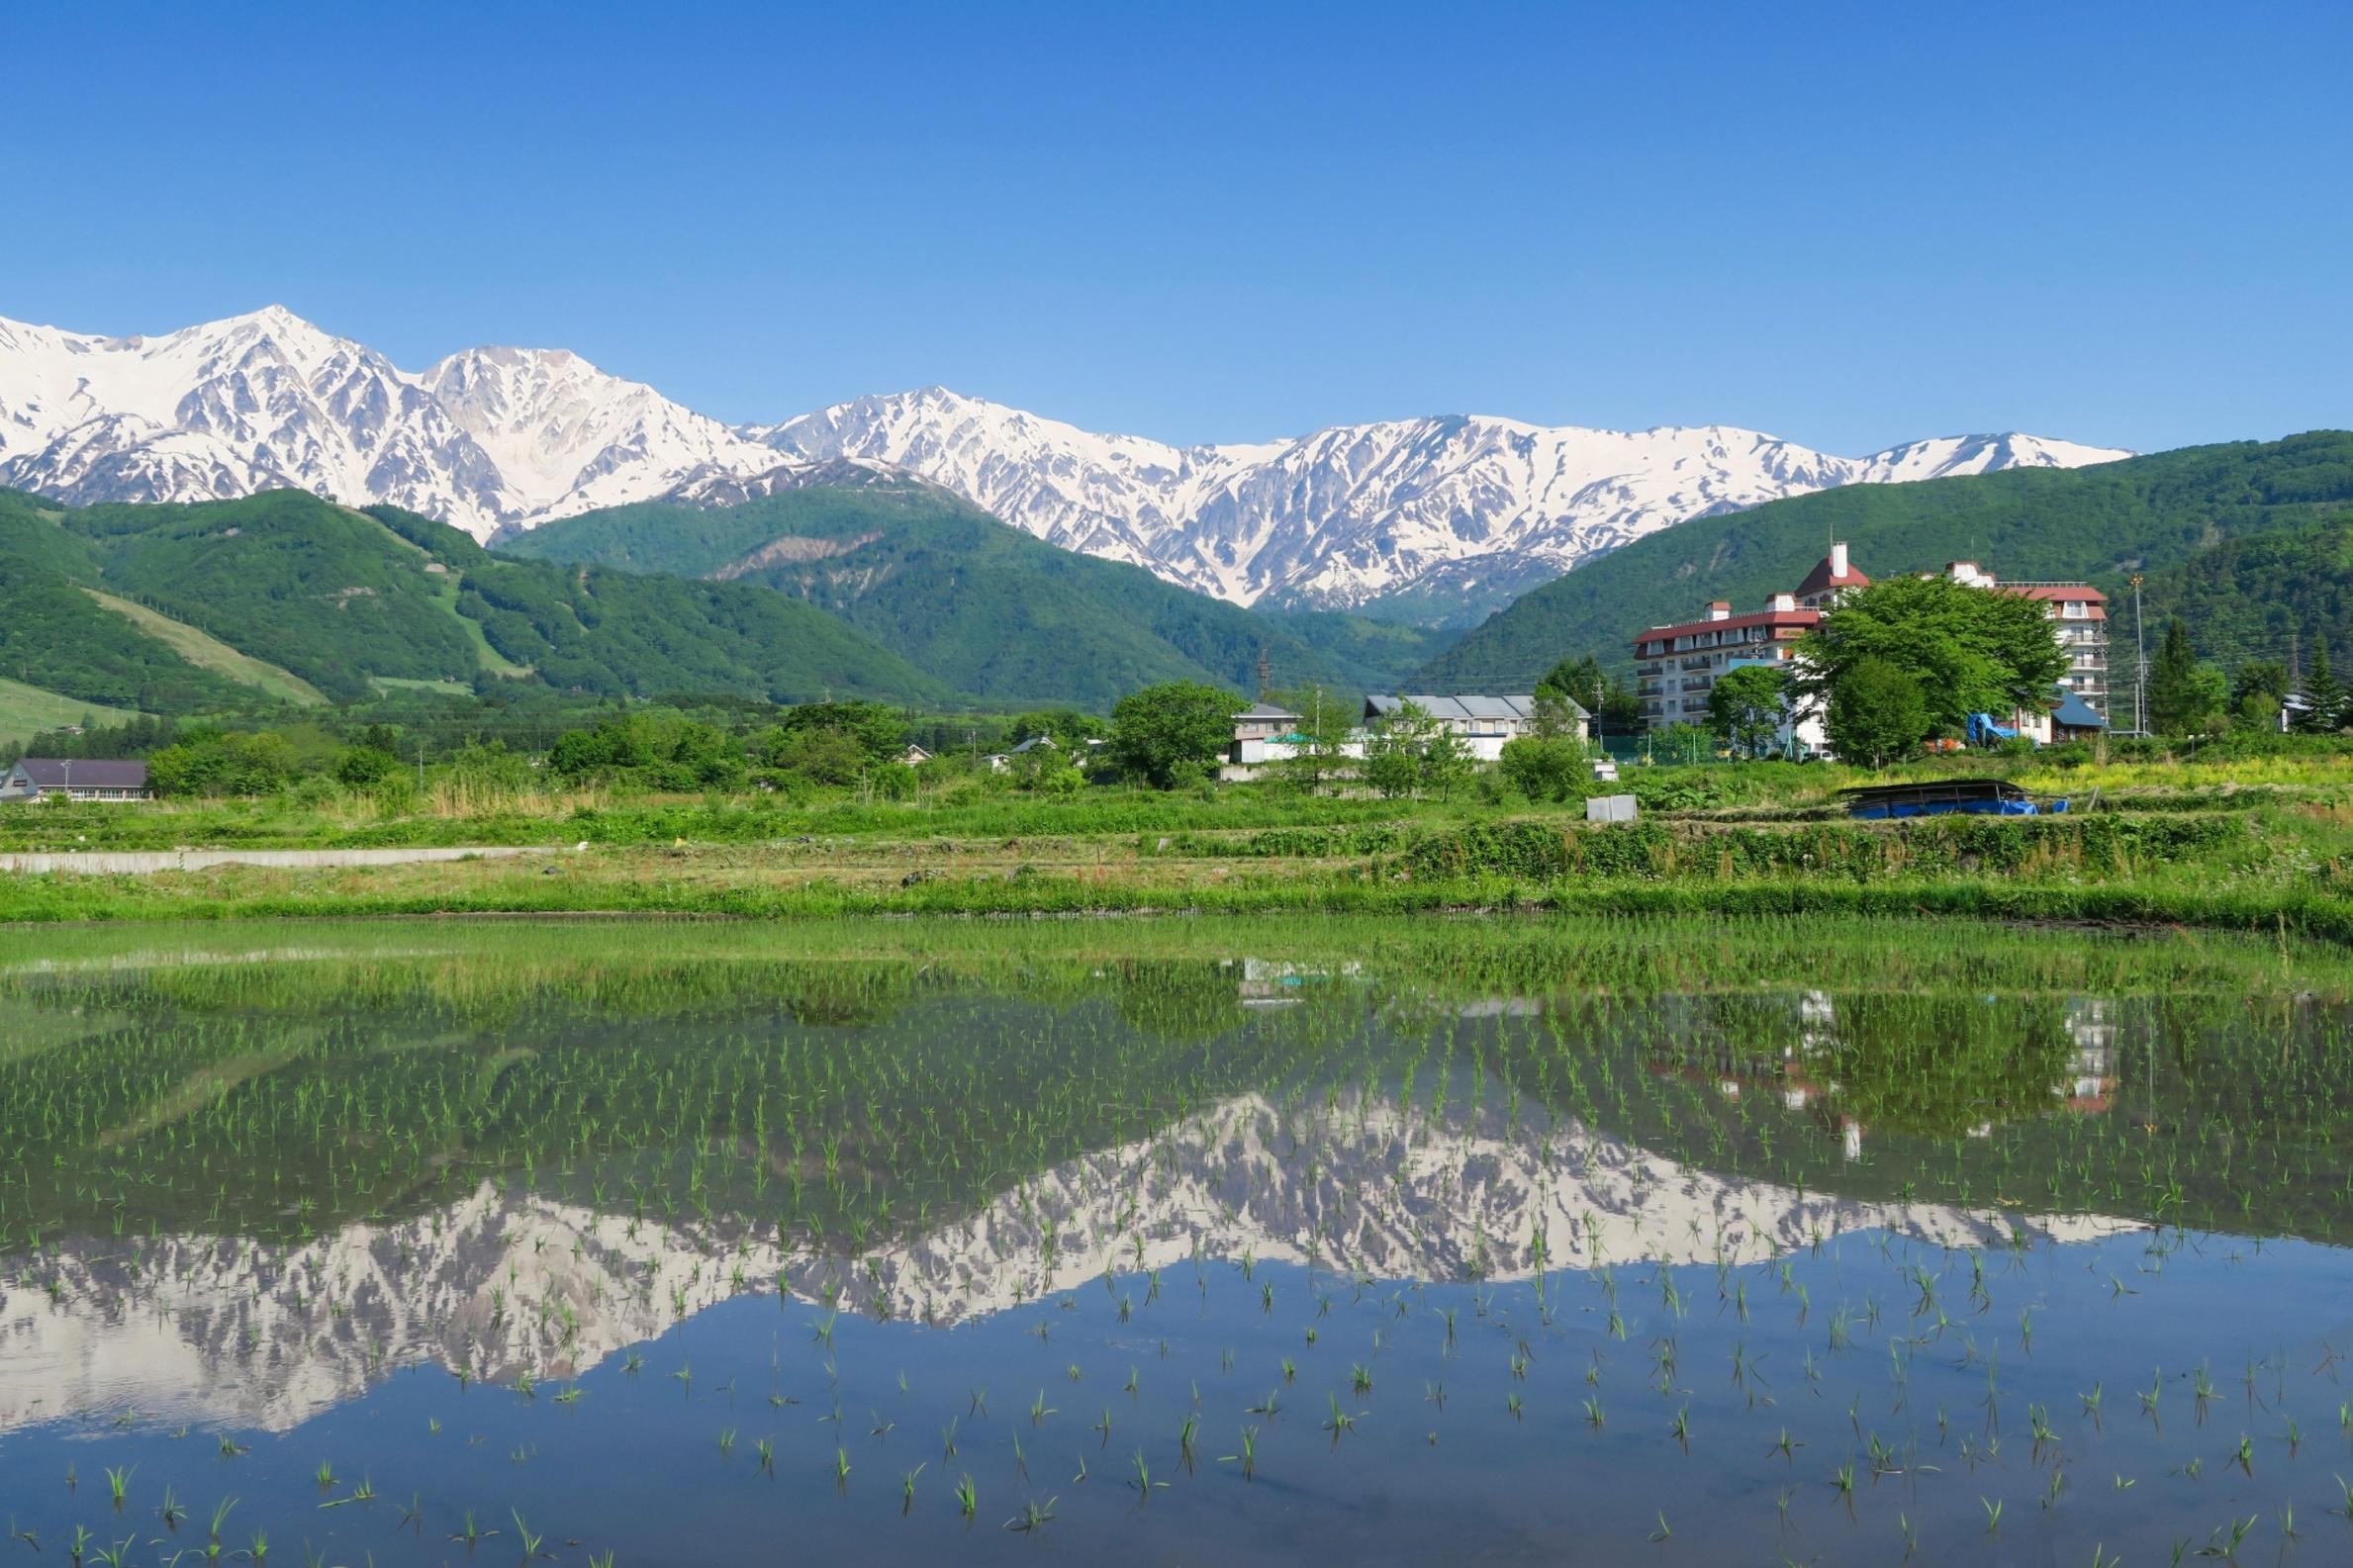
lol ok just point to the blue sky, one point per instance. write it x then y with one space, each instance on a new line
1845 224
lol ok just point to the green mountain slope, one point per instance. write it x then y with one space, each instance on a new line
2264 597
335 599
57 639
974 601
26 710
2097 523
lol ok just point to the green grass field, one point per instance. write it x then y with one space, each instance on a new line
27 709
208 652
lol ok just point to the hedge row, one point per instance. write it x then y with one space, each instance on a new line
1541 852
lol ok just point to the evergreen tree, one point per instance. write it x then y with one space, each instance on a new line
2173 698
2324 696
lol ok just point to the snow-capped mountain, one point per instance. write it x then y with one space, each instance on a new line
220 1329
489 438
1460 511
1451 505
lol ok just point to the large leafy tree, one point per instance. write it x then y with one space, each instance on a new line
875 728
1747 705
1876 713
1168 735
1967 650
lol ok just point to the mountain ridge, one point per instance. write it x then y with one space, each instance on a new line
2149 513
1434 519
972 600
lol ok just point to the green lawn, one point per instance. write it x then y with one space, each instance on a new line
208 652
25 709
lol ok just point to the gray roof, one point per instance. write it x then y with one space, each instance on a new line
53 773
1033 743
1472 709
1267 710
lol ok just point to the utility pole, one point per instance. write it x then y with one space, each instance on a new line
2140 667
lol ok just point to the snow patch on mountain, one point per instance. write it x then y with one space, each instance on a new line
1458 506
1458 512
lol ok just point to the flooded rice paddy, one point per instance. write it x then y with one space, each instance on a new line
1580 1242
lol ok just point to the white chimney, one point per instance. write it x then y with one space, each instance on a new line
1719 610
1782 601
1838 561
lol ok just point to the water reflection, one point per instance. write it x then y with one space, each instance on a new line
1523 1225
505 1283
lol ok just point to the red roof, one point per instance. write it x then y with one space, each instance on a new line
1764 617
2059 590
1820 581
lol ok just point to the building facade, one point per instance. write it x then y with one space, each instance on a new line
1677 666
51 778
2079 614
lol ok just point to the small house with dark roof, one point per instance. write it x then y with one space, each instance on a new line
1265 721
75 779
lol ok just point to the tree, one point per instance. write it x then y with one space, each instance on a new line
2324 698
1446 762
1543 769
878 729
1877 712
363 766
209 762
1967 650
1323 729
1066 727
2258 693
1394 751
1748 707
2186 698
1167 735
821 755
1617 708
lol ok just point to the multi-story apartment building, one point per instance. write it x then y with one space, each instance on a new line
1676 666
2081 614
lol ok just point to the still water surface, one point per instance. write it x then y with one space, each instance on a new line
688 1249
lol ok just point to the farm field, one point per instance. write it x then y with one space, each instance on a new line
1586 1239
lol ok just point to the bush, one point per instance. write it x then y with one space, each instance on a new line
1542 769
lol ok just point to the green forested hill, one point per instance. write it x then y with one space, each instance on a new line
975 601
2266 597
340 598
57 639
2143 513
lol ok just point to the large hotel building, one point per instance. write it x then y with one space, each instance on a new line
1677 666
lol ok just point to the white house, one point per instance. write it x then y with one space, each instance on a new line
1482 723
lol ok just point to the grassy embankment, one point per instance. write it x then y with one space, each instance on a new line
2251 846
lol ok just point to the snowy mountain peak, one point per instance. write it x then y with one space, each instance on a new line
1457 511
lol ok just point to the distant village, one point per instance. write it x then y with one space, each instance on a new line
1678 670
